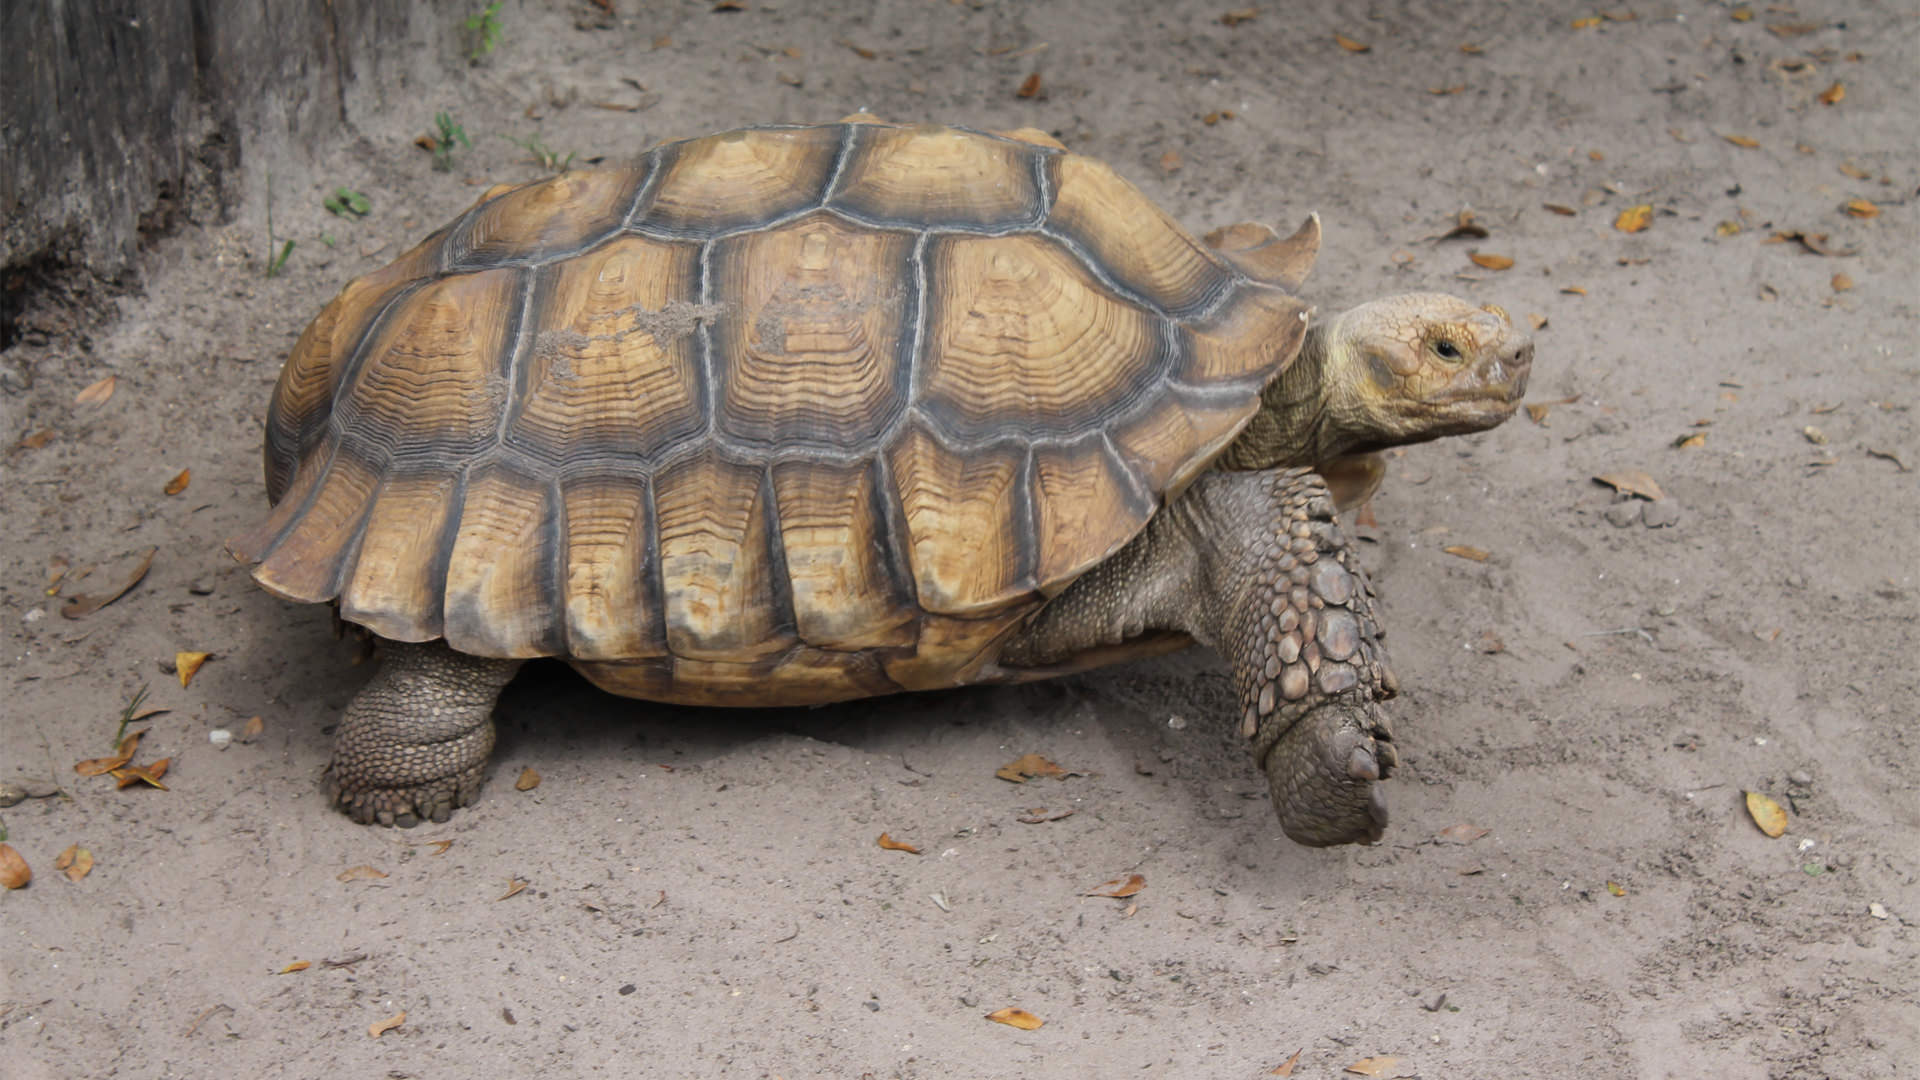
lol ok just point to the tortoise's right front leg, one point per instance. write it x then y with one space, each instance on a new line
413 744
1253 564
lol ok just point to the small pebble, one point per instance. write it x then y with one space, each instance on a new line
1661 515
627 989
1795 581
1801 777
220 737
1623 513
1877 910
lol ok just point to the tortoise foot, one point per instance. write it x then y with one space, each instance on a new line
1324 774
405 807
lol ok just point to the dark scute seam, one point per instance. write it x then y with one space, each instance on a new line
553 585
891 540
779 575
1026 527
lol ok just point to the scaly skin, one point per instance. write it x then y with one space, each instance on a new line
414 742
1253 565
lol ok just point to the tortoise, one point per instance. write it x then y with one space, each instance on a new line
800 414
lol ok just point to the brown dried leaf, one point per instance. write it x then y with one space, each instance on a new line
79 607
1351 45
121 755
1019 1018
1537 412
1616 888
1743 141
1632 482
1766 813
1742 14
1791 30
1563 211
1029 87
514 888
1445 91
529 779
1587 23
1491 262
890 844
1841 282
1465 225
1835 94
1574 290
1848 168
440 846
1383 1067
1468 551
1690 442
149 774
97 393
1634 218
14 871
1238 16
376 1030
861 51
179 483
1028 767
251 730
1537 321
1861 208
76 861
36 440
186 664
1285 1068
1818 243
360 873
1119 888
297 965
1460 834
1170 161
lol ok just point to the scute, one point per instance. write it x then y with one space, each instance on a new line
777 415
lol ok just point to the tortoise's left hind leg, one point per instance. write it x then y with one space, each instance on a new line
414 743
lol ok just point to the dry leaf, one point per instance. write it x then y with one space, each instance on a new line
1537 321
529 780
890 844
1888 455
1385 1067
1834 95
251 730
1766 813
1848 168
1117 888
97 393
1573 290
1791 30
1467 551
1461 834
1444 91
1491 262
186 664
861 51
1616 888
1727 228
179 483
1690 442
1537 412
1028 767
1464 225
1841 282
1817 243
1861 208
76 861
1634 218
1742 14
1029 86
1470 49
360 873
1170 161
1563 211
1587 23
121 755
1238 16
1632 482
1285 1068
1351 45
14 872
1743 141
1019 1018
81 606
130 775
384 1026
440 846
36 440
297 965
514 887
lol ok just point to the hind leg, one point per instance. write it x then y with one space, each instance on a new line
413 744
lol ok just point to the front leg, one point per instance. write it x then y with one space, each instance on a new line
413 744
1253 564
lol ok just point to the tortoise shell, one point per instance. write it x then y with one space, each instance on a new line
779 415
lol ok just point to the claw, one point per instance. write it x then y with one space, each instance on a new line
1361 765
1377 810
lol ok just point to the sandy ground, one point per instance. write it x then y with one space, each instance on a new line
703 892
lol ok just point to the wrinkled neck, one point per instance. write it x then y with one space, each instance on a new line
1294 426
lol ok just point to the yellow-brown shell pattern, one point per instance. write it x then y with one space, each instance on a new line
778 395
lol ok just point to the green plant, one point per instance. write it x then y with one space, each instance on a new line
140 696
448 133
347 203
275 263
543 155
485 26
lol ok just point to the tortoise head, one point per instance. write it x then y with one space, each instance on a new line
1418 366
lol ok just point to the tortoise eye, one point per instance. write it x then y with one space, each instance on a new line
1446 349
